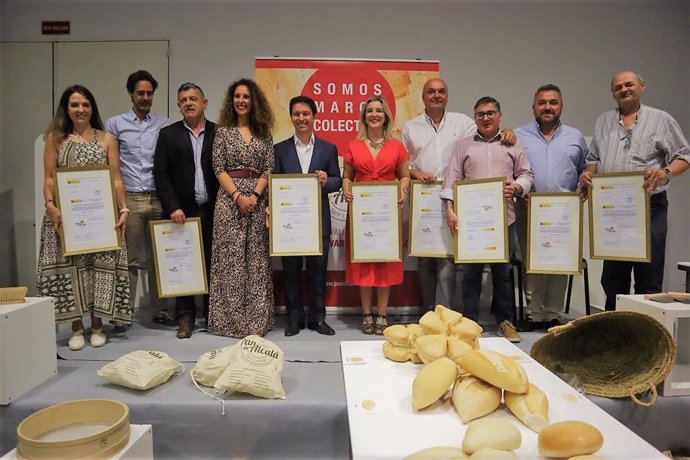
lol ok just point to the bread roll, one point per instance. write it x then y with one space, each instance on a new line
491 432
432 323
398 335
415 331
398 354
448 316
499 370
531 408
474 398
569 438
431 347
489 453
438 453
466 330
432 381
457 348
414 356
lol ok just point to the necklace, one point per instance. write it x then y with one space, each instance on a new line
378 144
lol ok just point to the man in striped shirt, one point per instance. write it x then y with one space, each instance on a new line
635 137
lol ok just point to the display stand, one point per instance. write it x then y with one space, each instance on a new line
28 355
140 445
675 316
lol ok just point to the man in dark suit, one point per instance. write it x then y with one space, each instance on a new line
301 154
185 181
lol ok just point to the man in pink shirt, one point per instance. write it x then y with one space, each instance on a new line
479 157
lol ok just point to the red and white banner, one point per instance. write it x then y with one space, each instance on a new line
340 87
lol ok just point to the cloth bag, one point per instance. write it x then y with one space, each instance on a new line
255 367
211 365
141 370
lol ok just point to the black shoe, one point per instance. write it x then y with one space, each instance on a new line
552 323
292 329
163 317
119 330
321 327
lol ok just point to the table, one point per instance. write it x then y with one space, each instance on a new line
392 430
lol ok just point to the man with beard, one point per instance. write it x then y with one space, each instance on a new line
136 132
479 157
185 181
556 154
636 137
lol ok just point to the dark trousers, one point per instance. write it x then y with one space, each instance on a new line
184 306
501 273
649 277
316 285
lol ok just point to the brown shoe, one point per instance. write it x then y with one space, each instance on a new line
185 326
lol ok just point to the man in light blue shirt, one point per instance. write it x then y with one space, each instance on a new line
136 132
557 155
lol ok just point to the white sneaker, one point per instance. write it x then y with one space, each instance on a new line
76 341
98 338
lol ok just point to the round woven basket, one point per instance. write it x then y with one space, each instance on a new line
83 429
615 354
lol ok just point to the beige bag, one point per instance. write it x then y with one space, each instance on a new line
211 365
255 368
141 370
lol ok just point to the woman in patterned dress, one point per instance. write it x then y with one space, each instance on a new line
241 297
95 284
375 156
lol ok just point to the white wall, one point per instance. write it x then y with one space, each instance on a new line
500 48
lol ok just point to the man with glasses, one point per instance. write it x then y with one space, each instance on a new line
478 157
430 139
556 154
636 137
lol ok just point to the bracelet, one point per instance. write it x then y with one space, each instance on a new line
124 209
232 195
256 194
45 205
237 198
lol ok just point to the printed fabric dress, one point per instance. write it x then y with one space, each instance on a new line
96 283
370 169
241 295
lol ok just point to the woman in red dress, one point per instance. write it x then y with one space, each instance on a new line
375 156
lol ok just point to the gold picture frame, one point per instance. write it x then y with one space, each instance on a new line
375 222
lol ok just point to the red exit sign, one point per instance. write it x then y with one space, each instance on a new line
55 27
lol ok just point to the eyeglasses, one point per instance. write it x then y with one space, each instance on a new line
628 139
490 114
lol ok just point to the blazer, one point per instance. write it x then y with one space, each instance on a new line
324 158
173 169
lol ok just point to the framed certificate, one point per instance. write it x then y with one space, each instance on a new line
375 222
295 218
178 256
429 235
482 235
554 233
86 198
619 218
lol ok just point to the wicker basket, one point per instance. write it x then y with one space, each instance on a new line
615 354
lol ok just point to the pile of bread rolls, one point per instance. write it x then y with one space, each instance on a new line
448 344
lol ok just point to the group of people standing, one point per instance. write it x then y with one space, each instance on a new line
195 168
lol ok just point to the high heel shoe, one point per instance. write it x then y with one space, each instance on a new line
368 324
381 324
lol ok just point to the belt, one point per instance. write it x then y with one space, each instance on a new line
144 193
243 174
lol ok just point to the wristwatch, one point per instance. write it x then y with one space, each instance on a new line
667 170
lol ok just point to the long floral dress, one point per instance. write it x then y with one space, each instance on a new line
96 283
241 295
